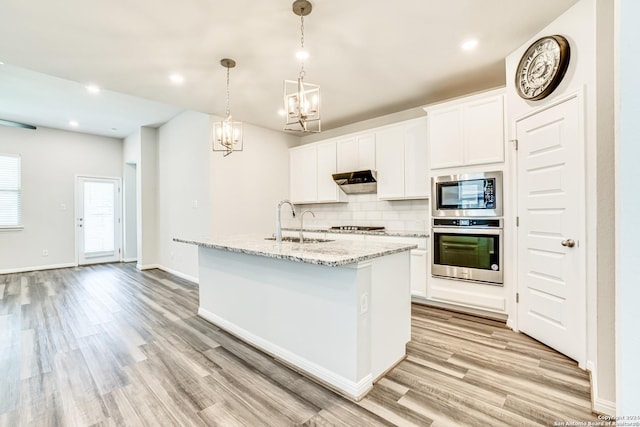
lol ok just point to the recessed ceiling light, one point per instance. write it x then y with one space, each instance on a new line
281 112
73 123
91 88
469 44
1 63
176 79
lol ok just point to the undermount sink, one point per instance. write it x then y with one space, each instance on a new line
297 240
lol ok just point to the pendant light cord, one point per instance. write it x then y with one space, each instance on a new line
228 110
302 43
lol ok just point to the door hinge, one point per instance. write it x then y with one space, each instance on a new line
517 221
515 143
118 251
517 297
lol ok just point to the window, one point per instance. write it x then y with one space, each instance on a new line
10 212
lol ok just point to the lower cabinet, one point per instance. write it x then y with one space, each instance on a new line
419 262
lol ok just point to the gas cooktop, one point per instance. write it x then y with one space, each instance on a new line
358 228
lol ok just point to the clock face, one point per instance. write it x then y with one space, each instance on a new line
542 67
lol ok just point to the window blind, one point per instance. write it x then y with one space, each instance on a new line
10 211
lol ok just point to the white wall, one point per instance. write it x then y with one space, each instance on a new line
147 205
628 206
51 159
588 27
130 215
203 195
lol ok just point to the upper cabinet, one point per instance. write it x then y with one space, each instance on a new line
401 152
357 152
467 131
310 168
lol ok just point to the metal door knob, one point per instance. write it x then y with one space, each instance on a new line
569 243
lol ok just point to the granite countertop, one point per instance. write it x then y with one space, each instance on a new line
419 234
331 253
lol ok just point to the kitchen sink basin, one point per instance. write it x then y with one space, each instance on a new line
297 240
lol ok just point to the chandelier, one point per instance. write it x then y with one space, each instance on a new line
227 134
301 100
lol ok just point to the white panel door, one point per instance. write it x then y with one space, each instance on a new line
98 220
551 255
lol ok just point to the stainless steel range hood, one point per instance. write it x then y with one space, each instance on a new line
359 182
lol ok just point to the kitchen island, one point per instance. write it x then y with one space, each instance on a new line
337 311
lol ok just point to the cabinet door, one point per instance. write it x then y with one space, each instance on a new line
366 151
347 155
326 164
419 260
303 180
445 138
484 131
416 174
390 162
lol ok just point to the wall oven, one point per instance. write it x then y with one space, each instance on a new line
467 195
468 249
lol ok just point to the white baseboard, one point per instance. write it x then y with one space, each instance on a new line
599 405
353 389
37 268
147 266
181 275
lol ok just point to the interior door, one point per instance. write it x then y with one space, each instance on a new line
98 220
551 255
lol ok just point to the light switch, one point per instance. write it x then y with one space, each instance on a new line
194 204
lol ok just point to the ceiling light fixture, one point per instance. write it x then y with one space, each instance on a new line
91 88
73 123
227 134
301 100
469 44
176 79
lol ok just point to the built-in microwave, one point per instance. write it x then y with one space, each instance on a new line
467 195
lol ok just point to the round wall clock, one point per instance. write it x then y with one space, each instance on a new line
542 67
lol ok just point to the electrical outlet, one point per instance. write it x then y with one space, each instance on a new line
194 204
364 303
63 207
45 252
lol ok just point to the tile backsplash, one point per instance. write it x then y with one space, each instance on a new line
366 210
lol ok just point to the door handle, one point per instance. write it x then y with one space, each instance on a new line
569 243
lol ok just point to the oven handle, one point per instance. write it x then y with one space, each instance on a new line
467 230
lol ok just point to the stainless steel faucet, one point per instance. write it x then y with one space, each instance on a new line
278 222
301 219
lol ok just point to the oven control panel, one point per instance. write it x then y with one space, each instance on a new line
467 222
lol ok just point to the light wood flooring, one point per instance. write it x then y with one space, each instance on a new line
109 345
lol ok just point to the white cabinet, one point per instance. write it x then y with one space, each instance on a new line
419 262
310 168
467 131
357 152
402 161
419 257
303 182
328 191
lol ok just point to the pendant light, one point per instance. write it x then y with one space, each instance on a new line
301 100
227 134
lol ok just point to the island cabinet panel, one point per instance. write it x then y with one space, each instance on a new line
345 324
402 160
467 131
357 152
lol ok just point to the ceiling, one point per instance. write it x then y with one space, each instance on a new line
370 57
